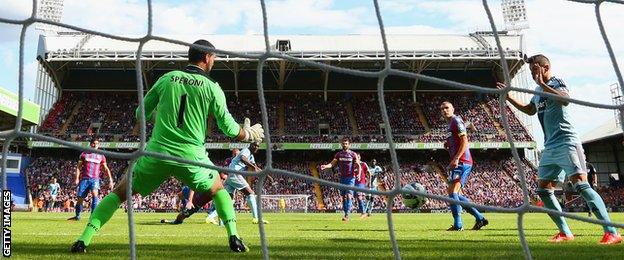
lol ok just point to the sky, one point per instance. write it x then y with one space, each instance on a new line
565 31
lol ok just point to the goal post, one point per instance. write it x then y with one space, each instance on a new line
292 202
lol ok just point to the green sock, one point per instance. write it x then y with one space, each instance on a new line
225 210
102 213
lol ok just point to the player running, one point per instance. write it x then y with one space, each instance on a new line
459 167
362 183
184 99
563 154
190 203
245 160
88 178
348 165
374 173
212 211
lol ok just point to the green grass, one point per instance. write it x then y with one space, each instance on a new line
318 236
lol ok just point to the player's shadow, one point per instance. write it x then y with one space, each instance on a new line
121 251
152 223
516 235
490 229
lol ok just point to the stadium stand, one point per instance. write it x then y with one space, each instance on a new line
493 182
111 117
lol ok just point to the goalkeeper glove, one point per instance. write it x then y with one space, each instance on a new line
253 133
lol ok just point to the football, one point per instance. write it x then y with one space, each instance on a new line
411 200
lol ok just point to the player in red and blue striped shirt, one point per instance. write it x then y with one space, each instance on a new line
459 168
88 177
349 167
362 183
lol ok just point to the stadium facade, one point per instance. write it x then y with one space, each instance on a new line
604 148
74 62
86 86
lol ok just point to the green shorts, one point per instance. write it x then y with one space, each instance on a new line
150 172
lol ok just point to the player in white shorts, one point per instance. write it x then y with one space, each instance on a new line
245 160
563 155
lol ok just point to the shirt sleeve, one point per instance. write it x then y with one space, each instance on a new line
560 85
245 152
535 100
151 98
103 159
460 127
82 157
225 121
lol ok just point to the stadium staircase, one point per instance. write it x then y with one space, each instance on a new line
509 171
422 118
137 127
490 114
352 120
70 119
54 114
317 187
211 122
281 124
438 169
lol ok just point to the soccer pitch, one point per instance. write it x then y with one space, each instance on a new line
309 236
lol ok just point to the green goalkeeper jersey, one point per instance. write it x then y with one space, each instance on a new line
182 102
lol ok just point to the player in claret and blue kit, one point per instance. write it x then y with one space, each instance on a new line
459 167
348 164
88 177
362 183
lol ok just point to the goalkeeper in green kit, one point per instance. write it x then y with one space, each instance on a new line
180 103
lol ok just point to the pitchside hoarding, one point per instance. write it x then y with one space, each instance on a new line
302 146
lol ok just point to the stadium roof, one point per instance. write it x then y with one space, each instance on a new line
8 111
316 47
604 131
97 62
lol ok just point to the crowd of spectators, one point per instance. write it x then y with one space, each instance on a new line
59 113
493 182
519 131
42 169
303 112
111 116
402 115
113 111
369 122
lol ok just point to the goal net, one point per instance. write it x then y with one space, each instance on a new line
271 53
286 203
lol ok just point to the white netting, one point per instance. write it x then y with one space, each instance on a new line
292 202
381 75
